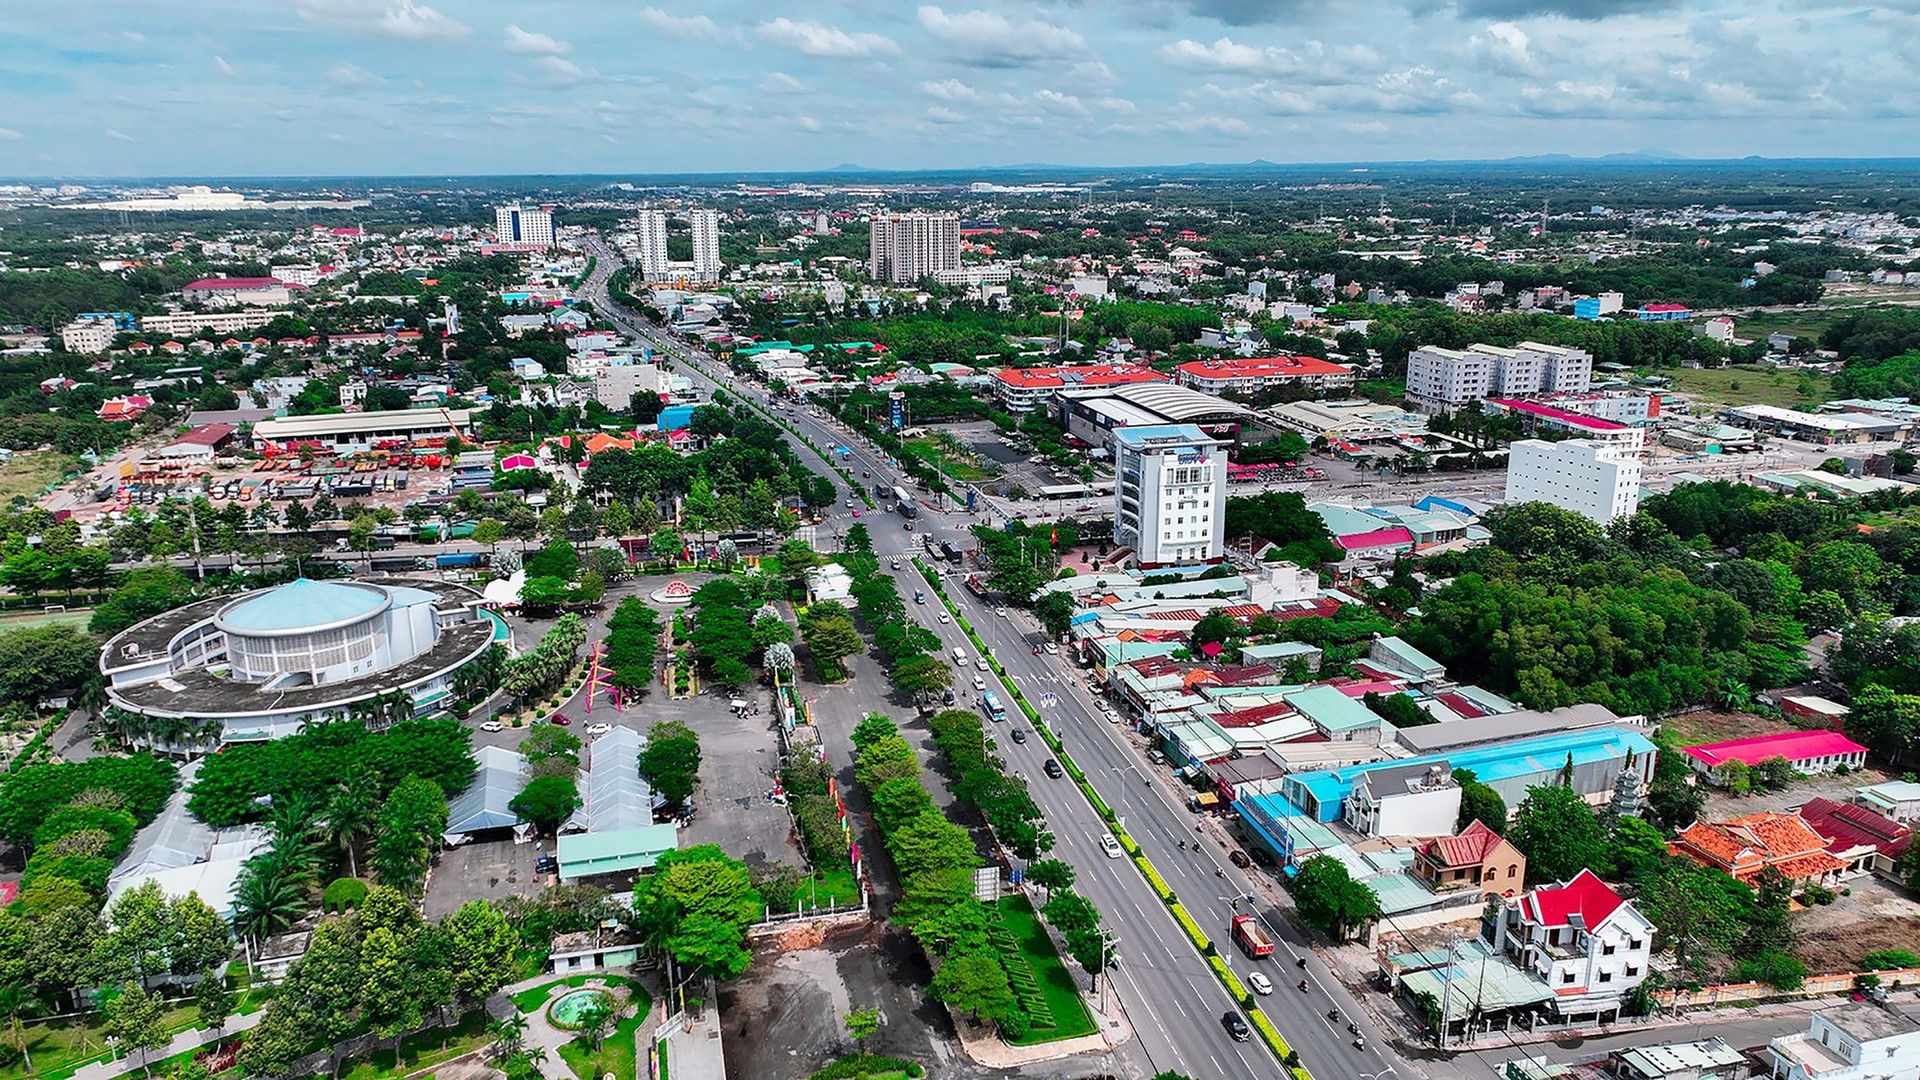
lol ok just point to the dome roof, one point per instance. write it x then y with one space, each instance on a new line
302 604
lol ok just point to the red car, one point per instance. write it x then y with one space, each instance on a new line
559 719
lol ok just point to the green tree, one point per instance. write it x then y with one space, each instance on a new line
1051 874
411 820
212 1000
1558 833
1330 900
1774 967
485 949
670 763
546 802
1054 610
974 983
1770 921
1698 911
133 1018
1478 802
862 1024
697 904
1634 849
387 995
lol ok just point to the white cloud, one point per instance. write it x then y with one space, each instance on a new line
990 39
560 71
779 82
117 136
220 65
1225 54
940 114
402 19
1313 61
529 43
815 39
1066 103
1506 48
690 28
1369 127
10 135
950 90
352 77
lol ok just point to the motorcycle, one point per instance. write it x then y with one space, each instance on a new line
1359 1044
1304 986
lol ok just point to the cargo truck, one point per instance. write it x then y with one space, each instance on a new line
459 560
1252 936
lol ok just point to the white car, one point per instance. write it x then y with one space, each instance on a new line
1111 846
982 664
491 725
979 683
1002 612
599 729
944 618
1053 649
1260 983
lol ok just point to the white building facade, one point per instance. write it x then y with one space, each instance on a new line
903 248
1169 494
1582 939
706 244
524 226
1596 480
1443 379
1849 1042
651 238
87 336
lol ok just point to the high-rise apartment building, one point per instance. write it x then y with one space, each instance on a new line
652 237
523 226
706 245
1169 494
1596 480
1440 379
903 248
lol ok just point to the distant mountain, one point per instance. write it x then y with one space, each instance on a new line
850 167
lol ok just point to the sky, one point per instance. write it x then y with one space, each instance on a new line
475 87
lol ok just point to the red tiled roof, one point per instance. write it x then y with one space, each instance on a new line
1377 538
1251 717
1792 745
206 435
1038 378
1461 705
1848 825
1592 423
1262 367
1586 896
1470 848
235 283
1744 846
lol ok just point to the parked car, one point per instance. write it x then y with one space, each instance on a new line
1052 768
1239 859
559 720
1053 648
491 725
599 729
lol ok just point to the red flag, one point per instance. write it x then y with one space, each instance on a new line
1053 536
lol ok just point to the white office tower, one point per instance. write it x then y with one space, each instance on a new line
524 226
904 248
1596 480
706 245
1439 380
1169 494
652 237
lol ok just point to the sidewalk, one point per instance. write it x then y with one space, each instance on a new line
183 1042
693 1046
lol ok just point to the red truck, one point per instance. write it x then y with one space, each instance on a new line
977 585
1252 936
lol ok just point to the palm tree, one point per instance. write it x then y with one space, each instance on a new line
349 815
509 1035
266 900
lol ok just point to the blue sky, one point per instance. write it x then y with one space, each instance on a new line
358 87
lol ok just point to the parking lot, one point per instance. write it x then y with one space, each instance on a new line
480 870
1015 470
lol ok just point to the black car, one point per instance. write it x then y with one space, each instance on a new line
545 864
1239 859
1236 1027
1020 734
1052 768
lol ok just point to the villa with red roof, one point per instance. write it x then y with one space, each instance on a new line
1026 389
124 408
1745 847
1807 751
233 291
1587 943
1478 858
1253 375
1867 842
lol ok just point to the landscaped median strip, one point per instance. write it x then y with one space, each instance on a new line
1268 1033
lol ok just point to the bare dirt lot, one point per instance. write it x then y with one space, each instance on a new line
1705 727
1878 915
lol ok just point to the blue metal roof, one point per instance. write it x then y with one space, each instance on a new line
303 603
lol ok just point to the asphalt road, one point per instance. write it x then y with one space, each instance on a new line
1166 989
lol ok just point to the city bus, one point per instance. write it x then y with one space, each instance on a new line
990 701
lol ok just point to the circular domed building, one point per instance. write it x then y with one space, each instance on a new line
270 662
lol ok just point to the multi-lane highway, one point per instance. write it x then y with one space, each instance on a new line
1165 988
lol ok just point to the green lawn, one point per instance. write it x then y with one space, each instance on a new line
77 617
534 998
61 1047
616 1053
1057 984
660 1049
955 460
31 473
1749 385
422 1049
835 886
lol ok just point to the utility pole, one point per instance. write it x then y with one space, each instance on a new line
1446 994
